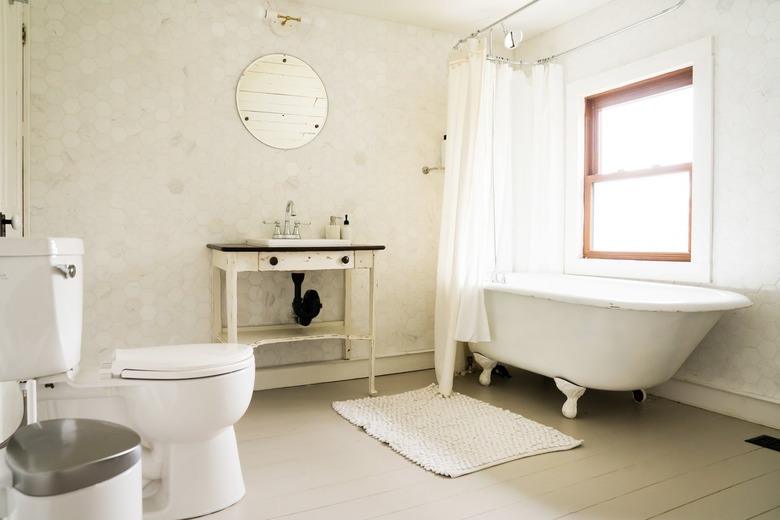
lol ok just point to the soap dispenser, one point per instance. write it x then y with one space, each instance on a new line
346 229
333 230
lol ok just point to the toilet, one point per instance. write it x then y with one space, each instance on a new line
182 400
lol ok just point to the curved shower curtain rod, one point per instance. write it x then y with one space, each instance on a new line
578 47
510 15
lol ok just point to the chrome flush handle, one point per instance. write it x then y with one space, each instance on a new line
69 270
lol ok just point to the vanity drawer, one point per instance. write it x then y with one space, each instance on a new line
306 260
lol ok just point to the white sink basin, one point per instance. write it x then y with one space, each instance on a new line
298 242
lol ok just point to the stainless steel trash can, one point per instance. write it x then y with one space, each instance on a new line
75 469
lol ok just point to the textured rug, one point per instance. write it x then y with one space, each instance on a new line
454 435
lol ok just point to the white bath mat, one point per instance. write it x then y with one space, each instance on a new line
454 435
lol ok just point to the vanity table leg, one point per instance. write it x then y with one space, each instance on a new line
216 303
231 301
347 354
372 325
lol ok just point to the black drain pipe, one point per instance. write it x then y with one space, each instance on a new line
307 307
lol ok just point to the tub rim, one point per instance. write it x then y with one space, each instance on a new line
700 299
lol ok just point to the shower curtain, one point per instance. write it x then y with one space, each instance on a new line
538 123
494 220
477 193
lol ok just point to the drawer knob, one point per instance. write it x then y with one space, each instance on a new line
273 260
344 259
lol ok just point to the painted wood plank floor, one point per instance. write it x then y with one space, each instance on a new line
658 459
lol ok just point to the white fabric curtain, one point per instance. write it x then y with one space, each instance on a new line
476 193
538 123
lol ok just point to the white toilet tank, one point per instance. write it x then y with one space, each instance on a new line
41 300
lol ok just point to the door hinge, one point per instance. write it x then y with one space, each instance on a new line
24 34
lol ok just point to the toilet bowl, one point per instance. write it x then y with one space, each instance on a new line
182 400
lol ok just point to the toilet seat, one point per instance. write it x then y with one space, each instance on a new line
172 362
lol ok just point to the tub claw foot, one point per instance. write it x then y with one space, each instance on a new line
572 393
487 365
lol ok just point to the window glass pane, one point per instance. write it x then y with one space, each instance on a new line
646 214
651 131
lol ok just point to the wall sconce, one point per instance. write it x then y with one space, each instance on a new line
282 24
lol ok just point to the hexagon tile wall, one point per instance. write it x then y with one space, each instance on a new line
137 147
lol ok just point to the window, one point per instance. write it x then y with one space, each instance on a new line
638 164
649 200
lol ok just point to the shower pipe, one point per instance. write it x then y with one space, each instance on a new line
573 49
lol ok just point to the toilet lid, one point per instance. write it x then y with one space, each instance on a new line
181 361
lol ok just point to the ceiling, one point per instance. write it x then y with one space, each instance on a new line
463 17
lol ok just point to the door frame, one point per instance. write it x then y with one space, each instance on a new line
14 96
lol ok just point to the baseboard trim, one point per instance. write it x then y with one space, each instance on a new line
301 374
723 402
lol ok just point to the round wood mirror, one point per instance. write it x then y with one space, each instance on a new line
281 101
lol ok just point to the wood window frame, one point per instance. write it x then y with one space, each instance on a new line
641 89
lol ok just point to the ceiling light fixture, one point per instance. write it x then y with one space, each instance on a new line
282 24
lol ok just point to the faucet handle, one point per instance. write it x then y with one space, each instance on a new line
296 230
277 230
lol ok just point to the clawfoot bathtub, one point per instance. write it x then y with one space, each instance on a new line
599 333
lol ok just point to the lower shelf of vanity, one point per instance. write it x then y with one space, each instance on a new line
271 334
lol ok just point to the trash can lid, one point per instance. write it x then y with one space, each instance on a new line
62 455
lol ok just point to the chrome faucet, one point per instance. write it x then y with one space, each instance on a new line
289 211
288 231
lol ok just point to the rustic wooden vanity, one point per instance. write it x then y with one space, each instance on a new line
236 258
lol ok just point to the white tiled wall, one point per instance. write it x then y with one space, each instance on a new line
136 147
742 353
